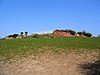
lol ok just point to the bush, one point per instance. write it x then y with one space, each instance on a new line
85 34
80 33
88 34
36 35
14 35
72 32
41 35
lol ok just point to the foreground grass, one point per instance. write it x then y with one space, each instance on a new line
21 47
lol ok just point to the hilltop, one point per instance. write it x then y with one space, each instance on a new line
55 33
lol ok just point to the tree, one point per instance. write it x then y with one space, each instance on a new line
21 33
26 34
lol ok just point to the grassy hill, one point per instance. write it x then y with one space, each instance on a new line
23 47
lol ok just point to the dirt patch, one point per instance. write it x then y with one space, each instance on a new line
49 64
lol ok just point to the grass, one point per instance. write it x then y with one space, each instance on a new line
21 47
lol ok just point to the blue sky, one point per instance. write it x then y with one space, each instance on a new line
46 15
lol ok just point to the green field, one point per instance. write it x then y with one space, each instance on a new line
23 47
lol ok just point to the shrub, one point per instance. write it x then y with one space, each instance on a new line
88 34
72 32
14 35
85 34
36 35
79 33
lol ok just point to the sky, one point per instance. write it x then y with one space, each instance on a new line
47 15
